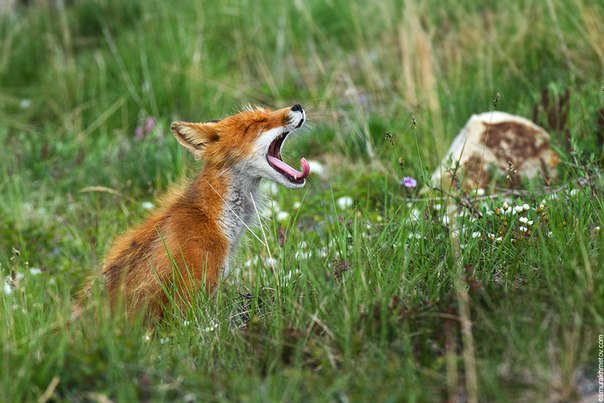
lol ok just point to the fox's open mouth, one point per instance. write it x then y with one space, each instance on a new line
274 159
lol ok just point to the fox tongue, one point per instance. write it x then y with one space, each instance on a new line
297 175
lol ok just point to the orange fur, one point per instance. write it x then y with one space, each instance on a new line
182 247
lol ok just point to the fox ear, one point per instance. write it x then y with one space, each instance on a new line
195 136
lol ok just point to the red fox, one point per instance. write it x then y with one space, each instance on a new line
190 239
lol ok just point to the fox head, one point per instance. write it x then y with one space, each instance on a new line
249 142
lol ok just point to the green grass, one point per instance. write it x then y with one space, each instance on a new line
330 304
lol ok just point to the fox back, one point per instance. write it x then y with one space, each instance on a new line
184 245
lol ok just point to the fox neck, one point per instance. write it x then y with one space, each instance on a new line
241 203
237 194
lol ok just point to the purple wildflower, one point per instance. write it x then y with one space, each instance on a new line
149 124
139 133
409 182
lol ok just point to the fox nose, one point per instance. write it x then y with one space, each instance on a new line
297 108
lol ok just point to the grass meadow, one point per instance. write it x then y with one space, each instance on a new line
352 289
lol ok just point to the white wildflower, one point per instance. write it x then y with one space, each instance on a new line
317 168
480 192
413 217
303 255
297 205
190 397
213 326
476 234
270 207
344 202
523 220
529 222
505 206
8 290
147 205
27 207
269 187
290 274
499 239
34 271
282 216
274 206
518 209
270 261
251 262
574 192
437 207
526 207
41 211
523 228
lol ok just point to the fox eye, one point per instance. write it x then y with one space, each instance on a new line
254 126
259 122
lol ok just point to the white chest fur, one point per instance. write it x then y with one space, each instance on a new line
241 202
